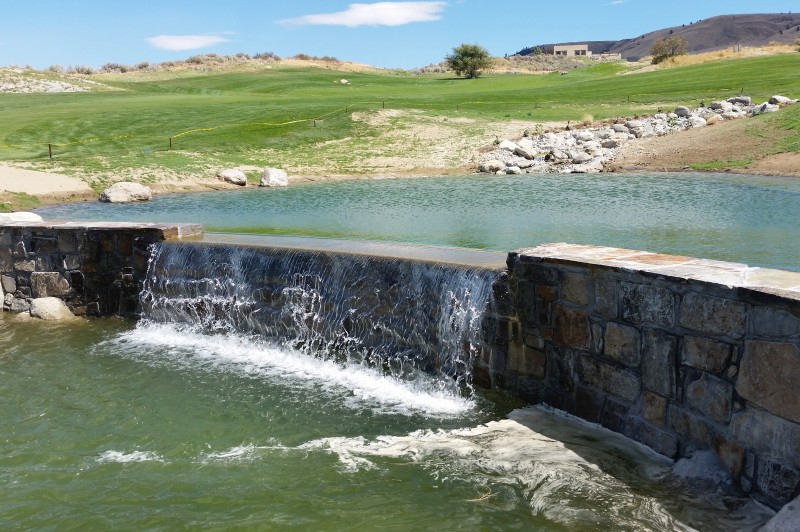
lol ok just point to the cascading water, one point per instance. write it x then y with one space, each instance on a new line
400 315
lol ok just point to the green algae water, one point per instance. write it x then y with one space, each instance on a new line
752 220
107 425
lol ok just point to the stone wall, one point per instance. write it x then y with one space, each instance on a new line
677 353
95 268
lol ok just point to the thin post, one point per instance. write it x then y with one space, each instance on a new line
456 107
384 105
315 123
170 143
50 150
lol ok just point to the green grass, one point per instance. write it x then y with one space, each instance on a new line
260 117
17 201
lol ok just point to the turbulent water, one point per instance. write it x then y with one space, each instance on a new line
231 407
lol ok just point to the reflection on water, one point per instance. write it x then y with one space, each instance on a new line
727 217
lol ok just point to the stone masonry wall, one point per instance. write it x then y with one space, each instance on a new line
677 353
95 268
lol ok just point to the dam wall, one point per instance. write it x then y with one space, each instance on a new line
678 353
96 268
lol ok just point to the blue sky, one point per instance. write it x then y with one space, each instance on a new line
385 34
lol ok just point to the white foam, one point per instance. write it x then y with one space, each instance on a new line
125 458
366 387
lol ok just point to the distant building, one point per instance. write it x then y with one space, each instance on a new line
570 50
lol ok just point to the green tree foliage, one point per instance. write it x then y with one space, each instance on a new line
673 46
469 60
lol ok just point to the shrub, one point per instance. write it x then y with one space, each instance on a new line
468 60
587 120
81 69
664 49
56 69
270 56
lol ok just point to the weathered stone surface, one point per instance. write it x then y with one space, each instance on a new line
658 362
772 322
713 315
786 520
572 328
588 404
6 260
25 265
654 408
50 309
703 353
622 343
647 304
527 361
47 284
9 283
709 395
126 192
274 177
769 376
575 288
233 176
610 379
689 427
493 166
660 441
767 434
731 454
19 305
777 479
605 295
19 217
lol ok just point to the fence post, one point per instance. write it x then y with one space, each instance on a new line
50 150
170 143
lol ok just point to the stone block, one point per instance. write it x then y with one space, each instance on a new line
689 427
546 292
575 288
769 376
44 244
708 395
526 361
49 284
654 408
768 434
67 242
622 343
605 296
6 259
642 303
9 283
776 479
776 323
20 305
713 315
705 354
731 454
561 369
659 440
25 265
71 262
6 237
615 417
610 379
538 273
572 328
588 404
658 362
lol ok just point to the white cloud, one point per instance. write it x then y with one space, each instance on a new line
185 42
617 2
375 14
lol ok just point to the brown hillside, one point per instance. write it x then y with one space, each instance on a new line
715 33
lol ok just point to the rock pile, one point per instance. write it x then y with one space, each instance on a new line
586 150
126 192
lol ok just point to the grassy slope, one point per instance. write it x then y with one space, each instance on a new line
240 117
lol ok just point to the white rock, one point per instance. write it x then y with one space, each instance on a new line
513 170
50 309
591 167
584 136
776 100
741 100
765 107
611 143
274 177
697 121
524 152
344 82
233 176
507 145
581 157
621 128
19 217
723 106
492 166
126 192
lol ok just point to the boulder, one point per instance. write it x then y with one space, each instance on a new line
611 143
492 166
592 167
581 157
233 176
723 106
584 136
740 100
765 107
19 217
126 192
779 100
50 309
697 121
513 170
621 128
682 111
274 177
507 145
523 152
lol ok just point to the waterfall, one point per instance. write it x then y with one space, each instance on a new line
401 315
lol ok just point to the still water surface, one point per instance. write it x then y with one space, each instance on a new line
753 220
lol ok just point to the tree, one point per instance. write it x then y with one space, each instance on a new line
664 49
469 60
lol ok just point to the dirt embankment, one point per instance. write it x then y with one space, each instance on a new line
725 146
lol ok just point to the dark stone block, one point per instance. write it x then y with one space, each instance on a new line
647 304
608 378
615 416
708 395
713 315
658 362
588 404
690 427
777 480
703 353
659 440
572 328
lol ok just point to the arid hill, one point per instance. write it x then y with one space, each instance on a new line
715 33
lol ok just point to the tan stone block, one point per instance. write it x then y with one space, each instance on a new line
713 315
654 408
732 455
572 328
622 343
769 376
575 288
703 353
